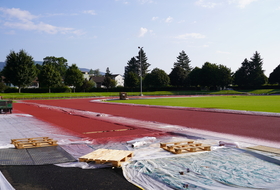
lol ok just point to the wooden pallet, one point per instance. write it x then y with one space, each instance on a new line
33 142
102 156
184 147
265 149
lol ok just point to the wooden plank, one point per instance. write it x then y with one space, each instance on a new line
101 156
33 142
176 143
265 149
184 147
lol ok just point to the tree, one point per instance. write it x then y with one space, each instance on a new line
132 66
87 85
178 76
240 77
73 77
143 65
131 80
2 86
274 77
183 61
157 78
131 73
95 72
20 69
250 74
60 63
49 77
257 76
108 81
224 76
194 78
209 75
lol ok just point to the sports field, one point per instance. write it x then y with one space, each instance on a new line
248 103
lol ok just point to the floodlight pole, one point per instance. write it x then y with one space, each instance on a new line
141 94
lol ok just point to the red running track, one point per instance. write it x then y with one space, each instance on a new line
261 127
99 130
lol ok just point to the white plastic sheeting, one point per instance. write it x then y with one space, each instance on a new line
4 184
223 168
15 126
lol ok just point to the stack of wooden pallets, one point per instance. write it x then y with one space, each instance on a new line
102 156
33 142
184 147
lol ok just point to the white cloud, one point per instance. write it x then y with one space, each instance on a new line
19 14
146 1
143 31
23 20
169 19
241 3
154 18
190 35
205 4
91 12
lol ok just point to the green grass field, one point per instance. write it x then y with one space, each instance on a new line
249 103
152 93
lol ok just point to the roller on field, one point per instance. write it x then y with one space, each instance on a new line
6 106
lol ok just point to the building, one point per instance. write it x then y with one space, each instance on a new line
99 80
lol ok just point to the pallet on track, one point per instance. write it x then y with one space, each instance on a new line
33 142
102 156
184 147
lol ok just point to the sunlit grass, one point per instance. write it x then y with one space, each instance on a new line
236 102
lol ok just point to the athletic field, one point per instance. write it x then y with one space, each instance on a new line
249 103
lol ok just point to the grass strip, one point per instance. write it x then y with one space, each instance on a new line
236 102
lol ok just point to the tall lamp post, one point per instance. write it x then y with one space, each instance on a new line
141 94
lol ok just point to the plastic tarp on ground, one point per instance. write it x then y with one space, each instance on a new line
154 168
223 168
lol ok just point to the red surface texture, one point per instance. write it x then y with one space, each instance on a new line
256 126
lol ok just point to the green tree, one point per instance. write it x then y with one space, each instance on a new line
88 85
73 77
224 76
143 65
131 80
20 69
49 77
250 74
240 77
108 81
60 63
257 76
132 66
209 75
178 76
2 86
183 61
95 72
194 78
131 73
274 77
157 78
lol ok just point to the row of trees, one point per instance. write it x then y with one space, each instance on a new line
20 70
210 75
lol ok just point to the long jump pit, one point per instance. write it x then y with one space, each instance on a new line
238 158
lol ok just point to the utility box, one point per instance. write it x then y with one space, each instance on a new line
6 106
123 96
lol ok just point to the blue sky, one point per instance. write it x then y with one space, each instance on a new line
98 34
